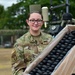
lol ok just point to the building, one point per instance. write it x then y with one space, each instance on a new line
9 36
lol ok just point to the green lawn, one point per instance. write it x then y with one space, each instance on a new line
5 63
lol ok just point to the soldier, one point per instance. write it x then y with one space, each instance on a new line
30 45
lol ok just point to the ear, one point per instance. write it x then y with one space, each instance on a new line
27 21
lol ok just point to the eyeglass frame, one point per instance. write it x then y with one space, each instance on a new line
38 20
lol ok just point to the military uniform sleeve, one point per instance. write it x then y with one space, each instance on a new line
51 37
17 58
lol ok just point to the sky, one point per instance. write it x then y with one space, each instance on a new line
7 3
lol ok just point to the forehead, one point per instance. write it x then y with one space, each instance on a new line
35 15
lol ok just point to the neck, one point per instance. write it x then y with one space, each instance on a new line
35 33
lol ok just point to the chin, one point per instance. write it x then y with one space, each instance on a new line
36 29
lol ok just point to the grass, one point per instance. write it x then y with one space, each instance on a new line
5 62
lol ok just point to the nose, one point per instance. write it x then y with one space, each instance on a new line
35 22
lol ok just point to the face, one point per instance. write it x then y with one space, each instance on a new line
35 21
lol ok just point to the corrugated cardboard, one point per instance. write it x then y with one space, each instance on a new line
67 65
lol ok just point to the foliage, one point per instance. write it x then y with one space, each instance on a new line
14 17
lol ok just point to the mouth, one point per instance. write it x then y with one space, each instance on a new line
35 26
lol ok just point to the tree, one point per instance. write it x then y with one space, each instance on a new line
1 10
1 15
14 16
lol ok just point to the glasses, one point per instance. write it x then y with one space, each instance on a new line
33 21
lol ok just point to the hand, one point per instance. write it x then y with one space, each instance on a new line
25 74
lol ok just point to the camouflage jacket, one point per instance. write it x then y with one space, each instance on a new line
26 49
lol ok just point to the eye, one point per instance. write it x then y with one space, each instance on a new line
33 20
39 20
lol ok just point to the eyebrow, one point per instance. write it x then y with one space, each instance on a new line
35 19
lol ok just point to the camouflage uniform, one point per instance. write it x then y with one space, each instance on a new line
27 48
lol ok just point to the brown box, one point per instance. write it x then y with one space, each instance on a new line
67 66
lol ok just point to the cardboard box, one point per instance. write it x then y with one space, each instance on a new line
67 66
